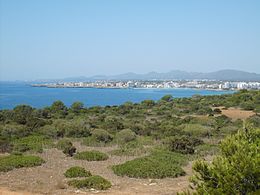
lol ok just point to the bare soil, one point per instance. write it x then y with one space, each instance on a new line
236 113
49 179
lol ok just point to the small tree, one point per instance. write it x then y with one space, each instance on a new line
235 170
167 98
59 109
76 107
22 113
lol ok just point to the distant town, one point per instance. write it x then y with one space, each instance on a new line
166 84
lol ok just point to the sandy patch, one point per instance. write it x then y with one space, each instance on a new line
236 113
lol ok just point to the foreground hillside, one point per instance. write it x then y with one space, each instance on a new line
145 148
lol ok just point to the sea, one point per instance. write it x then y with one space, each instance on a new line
16 93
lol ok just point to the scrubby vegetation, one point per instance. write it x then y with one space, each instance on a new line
77 172
161 135
91 156
95 181
159 164
10 162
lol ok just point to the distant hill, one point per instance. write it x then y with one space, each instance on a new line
230 75
224 75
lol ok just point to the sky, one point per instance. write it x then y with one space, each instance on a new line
47 39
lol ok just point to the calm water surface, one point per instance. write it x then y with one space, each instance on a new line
12 94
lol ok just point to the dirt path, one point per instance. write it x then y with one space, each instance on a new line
49 179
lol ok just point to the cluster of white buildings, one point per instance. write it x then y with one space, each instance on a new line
240 85
198 84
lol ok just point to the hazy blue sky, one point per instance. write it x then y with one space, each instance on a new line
64 38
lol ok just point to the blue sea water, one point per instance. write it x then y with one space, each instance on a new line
14 93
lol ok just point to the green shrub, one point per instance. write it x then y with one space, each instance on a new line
183 144
196 130
145 140
70 151
66 146
10 162
63 144
95 181
32 143
71 128
91 156
132 148
5 145
77 172
254 120
102 135
91 141
50 131
227 130
207 149
126 135
77 128
14 131
235 170
159 164
248 105
217 111
167 98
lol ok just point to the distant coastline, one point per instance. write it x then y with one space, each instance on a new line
76 87
156 84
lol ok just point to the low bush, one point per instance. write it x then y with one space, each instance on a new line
5 145
33 143
145 140
196 130
102 135
95 181
217 111
70 151
91 141
132 148
207 149
254 120
14 131
77 172
159 164
63 144
10 162
182 144
91 156
126 135
66 146
77 128
227 130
